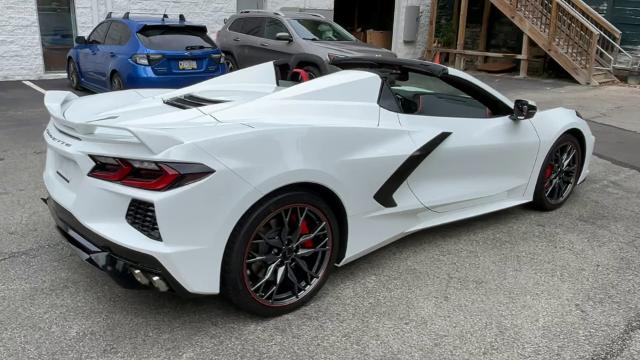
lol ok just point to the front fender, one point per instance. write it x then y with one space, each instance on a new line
550 125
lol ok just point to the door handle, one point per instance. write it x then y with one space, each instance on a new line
112 54
236 39
264 44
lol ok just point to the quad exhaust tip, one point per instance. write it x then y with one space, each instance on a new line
148 279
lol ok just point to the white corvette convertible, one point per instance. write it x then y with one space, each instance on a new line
255 187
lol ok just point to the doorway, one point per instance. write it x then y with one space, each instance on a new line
360 17
57 30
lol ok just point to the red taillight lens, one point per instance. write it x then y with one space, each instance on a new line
148 175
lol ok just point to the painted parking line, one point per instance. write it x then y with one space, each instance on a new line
34 86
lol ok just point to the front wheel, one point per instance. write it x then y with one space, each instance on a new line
559 174
280 254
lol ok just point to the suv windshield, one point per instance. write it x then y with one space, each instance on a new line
312 29
172 38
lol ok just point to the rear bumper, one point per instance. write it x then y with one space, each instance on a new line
117 261
144 77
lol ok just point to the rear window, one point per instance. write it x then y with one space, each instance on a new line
174 38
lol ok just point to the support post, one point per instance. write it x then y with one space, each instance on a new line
553 24
485 29
462 28
524 63
432 30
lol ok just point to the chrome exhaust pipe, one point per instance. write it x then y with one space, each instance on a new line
140 277
159 283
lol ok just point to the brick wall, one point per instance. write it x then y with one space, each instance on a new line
20 50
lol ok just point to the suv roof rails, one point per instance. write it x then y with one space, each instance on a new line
164 16
314 14
249 11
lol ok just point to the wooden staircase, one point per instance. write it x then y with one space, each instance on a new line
576 37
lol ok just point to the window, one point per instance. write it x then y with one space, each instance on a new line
274 26
173 38
312 29
118 34
253 26
99 33
422 94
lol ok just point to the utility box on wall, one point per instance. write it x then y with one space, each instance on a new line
411 23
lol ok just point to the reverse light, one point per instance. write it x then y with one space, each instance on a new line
148 175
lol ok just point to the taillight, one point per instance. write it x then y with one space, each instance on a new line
148 175
147 59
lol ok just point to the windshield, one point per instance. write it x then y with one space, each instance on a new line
172 38
312 29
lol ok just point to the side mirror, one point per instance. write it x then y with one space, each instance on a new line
524 109
283 36
81 40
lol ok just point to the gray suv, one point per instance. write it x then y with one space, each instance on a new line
256 36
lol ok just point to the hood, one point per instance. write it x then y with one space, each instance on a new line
353 48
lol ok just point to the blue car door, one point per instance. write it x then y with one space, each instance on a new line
114 51
90 57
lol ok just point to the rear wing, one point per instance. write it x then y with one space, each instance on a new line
57 102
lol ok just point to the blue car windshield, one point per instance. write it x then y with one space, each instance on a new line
312 29
173 38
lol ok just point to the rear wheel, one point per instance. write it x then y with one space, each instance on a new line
116 82
280 254
230 61
559 174
73 75
313 71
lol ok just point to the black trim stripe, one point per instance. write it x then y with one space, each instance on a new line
384 195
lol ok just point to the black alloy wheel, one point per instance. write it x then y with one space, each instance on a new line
73 76
559 174
116 82
280 254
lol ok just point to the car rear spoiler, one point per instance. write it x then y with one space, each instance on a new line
57 102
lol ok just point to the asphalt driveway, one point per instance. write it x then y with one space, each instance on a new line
516 284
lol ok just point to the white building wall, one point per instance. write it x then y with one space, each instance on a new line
411 50
19 35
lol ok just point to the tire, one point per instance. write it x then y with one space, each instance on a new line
557 178
116 82
259 273
73 75
313 71
230 61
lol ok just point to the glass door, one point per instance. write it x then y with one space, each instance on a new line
57 29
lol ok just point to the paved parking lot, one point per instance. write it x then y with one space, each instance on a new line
509 285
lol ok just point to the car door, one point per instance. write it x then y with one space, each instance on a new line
270 47
476 154
246 34
89 55
113 50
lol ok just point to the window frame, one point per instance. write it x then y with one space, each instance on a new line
111 27
108 24
264 32
263 26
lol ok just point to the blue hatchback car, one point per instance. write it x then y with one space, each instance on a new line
125 53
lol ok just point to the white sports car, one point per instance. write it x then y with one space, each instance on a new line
255 187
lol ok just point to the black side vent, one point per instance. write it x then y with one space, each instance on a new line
190 101
142 216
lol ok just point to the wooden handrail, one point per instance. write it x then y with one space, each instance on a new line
599 19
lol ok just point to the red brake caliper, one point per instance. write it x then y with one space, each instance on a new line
304 230
548 172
